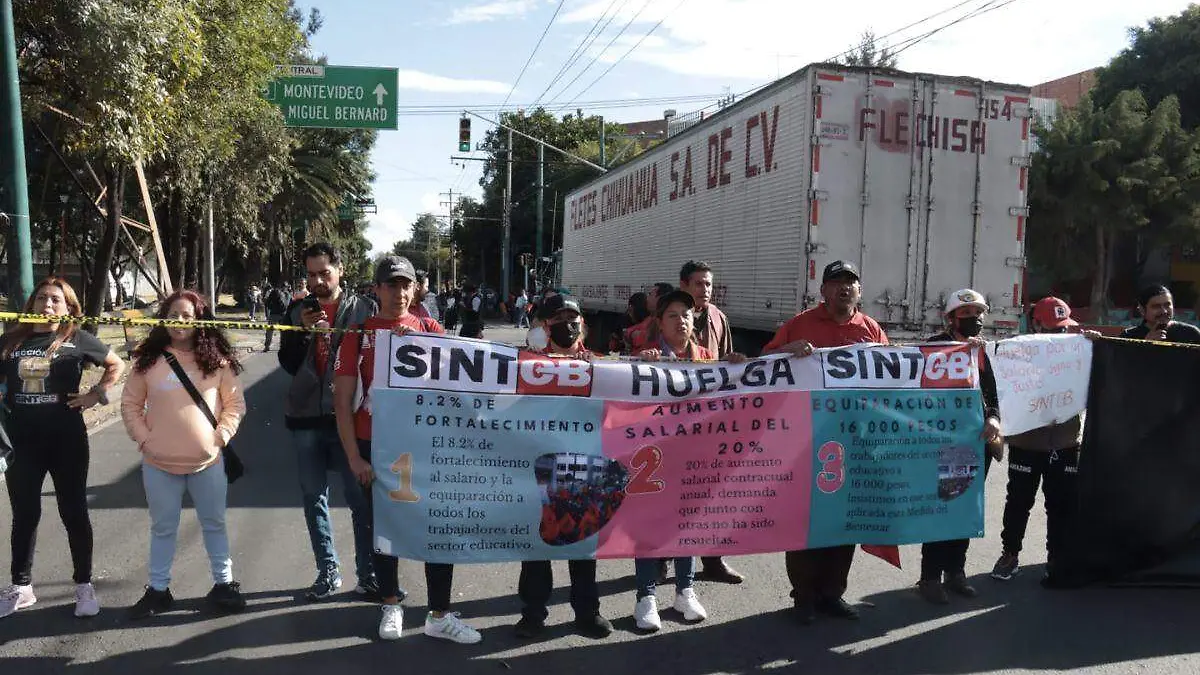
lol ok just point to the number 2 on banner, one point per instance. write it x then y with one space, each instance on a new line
833 474
645 463
403 467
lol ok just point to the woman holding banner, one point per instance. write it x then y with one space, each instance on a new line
674 320
965 312
395 284
563 325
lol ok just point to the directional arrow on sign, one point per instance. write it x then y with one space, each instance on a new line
379 92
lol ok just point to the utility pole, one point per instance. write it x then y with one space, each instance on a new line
14 202
449 194
602 162
209 281
504 246
541 197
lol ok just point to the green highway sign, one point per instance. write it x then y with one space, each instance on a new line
337 97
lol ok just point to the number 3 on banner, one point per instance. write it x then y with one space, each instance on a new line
403 467
832 458
645 463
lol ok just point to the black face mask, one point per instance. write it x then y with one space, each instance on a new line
970 326
565 334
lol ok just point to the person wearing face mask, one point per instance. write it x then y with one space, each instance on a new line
947 560
819 576
1157 307
1049 455
563 325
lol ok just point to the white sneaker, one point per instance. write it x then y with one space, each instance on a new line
645 612
391 624
14 598
86 603
687 604
451 627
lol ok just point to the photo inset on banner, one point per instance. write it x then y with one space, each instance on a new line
957 467
580 494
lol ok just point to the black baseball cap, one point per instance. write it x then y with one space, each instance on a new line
838 268
671 298
394 267
555 304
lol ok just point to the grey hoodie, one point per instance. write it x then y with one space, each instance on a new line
309 402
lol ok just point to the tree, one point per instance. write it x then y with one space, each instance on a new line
869 54
1162 60
424 246
479 241
1102 173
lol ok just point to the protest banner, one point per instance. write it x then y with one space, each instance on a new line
1040 379
484 453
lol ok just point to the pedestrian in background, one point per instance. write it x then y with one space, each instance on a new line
278 301
41 365
181 451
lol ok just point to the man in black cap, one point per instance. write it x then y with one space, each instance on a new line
819 576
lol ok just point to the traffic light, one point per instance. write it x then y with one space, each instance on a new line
464 134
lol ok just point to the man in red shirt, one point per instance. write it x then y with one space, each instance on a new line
395 284
712 333
819 576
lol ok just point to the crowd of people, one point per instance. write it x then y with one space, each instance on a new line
183 403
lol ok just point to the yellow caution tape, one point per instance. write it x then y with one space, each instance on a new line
167 323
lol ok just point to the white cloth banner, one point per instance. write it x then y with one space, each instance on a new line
1040 379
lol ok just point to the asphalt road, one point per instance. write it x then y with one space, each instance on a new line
1014 628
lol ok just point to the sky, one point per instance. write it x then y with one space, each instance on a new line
468 55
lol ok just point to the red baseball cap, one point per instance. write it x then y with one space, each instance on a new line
1052 312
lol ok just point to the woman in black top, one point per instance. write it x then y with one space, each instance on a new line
42 364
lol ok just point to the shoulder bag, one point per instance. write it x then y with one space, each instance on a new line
234 469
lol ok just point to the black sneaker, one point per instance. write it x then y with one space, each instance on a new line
594 626
227 597
1006 567
328 582
153 602
720 573
528 628
838 608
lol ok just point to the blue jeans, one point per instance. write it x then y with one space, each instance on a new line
319 451
164 496
646 572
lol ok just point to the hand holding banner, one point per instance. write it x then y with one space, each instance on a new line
1040 379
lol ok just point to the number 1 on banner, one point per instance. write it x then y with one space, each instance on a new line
645 463
403 467
832 476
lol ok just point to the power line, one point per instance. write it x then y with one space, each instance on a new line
918 22
414 111
602 51
984 9
583 44
631 50
533 53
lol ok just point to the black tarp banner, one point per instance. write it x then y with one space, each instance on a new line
1139 469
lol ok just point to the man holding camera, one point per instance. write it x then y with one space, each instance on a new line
309 358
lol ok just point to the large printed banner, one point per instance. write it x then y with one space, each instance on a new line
1041 379
484 453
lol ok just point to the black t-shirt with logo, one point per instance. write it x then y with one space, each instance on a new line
40 384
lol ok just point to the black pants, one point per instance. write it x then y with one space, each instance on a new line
1058 473
439 577
57 445
819 573
948 557
537 581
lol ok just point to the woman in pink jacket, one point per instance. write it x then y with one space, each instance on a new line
181 451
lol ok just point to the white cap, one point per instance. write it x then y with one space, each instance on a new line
965 298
